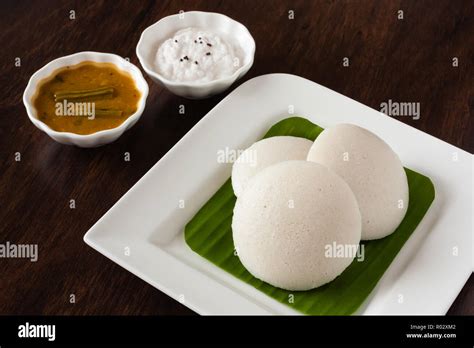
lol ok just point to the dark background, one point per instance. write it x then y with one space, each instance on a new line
406 60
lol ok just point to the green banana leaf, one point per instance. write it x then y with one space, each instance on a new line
209 234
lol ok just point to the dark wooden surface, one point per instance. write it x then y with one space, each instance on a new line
402 60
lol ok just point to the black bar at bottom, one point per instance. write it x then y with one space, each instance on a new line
418 330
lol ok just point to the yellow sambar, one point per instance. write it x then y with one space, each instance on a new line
111 109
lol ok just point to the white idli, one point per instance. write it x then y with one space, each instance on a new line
264 153
287 218
373 171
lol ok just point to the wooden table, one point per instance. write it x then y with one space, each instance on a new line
407 59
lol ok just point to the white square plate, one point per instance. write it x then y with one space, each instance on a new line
143 232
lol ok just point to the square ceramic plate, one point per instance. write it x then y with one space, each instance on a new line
143 232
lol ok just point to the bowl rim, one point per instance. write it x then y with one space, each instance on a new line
34 81
233 77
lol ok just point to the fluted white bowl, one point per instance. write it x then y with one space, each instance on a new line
97 138
153 36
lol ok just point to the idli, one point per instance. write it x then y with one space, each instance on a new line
287 219
373 171
264 153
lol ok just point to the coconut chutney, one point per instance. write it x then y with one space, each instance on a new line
196 55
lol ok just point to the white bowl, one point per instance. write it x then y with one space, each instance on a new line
233 31
94 139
